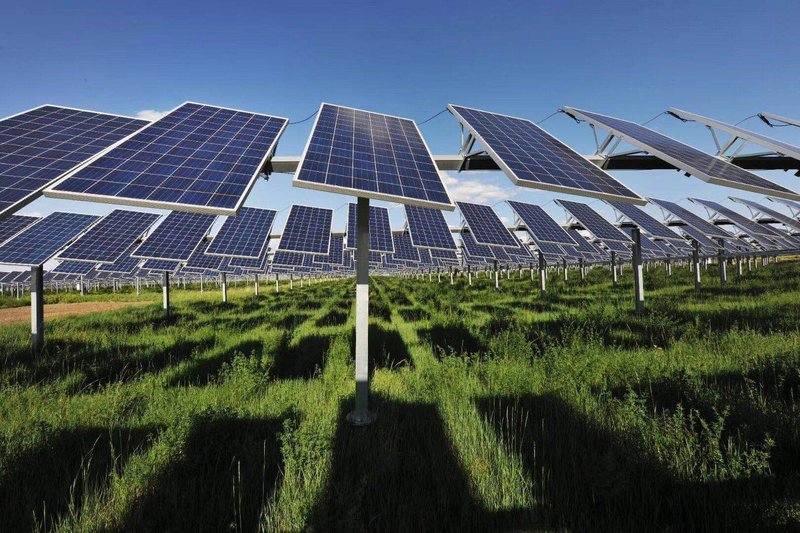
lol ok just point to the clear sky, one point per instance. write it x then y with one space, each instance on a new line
727 60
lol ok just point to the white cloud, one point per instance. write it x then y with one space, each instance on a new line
151 114
478 191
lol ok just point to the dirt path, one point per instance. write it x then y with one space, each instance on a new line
17 315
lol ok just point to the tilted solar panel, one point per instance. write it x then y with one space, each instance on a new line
200 260
380 232
748 226
794 206
74 267
691 160
334 256
584 247
370 155
403 248
540 226
244 235
307 230
531 157
197 158
290 259
40 241
258 264
108 240
161 265
701 238
485 225
39 146
550 248
177 237
646 223
14 224
593 222
428 228
475 250
124 265
691 219
786 220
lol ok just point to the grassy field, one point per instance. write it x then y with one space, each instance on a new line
496 410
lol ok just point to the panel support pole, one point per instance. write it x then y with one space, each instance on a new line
165 293
638 275
223 283
201 283
566 274
469 275
496 276
277 283
723 266
614 273
583 269
696 267
542 274
255 286
37 308
361 415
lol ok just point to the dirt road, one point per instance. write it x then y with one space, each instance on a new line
17 315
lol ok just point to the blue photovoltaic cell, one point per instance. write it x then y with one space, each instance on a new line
258 264
646 223
197 158
370 155
13 225
592 221
244 235
521 252
42 240
748 226
700 237
691 160
161 265
619 247
40 146
691 219
786 220
307 230
176 237
403 247
475 250
108 240
540 225
289 259
428 228
583 246
334 256
500 254
124 265
380 232
549 248
202 261
532 157
74 267
485 225
447 255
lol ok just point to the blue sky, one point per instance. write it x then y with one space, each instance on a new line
726 60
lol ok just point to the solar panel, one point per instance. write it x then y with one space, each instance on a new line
592 221
485 225
500 254
258 264
161 265
370 155
380 232
786 220
521 252
282 258
741 133
531 157
108 240
691 219
618 247
124 265
475 250
700 237
549 248
14 224
307 230
203 261
197 158
794 206
244 235
748 226
444 255
74 267
540 225
403 247
334 256
695 162
428 228
40 146
646 223
178 235
42 240
584 247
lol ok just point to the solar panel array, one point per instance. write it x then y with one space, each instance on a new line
750 227
74 267
307 230
124 265
258 264
540 225
14 224
685 157
404 249
39 146
646 223
691 219
108 240
380 232
198 157
760 208
161 265
428 228
177 237
201 260
288 258
592 221
334 256
532 157
370 155
700 237
244 235
42 240
485 225
475 250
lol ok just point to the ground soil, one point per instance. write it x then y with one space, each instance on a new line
17 315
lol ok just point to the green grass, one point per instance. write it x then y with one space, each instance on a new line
497 410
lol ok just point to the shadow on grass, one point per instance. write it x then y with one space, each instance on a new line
452 337
203 370
38 486
226 473
387 350
302 357
589 478
333 317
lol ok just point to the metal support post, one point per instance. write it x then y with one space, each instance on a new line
614 273
223 283
255 286
496 276
723 266
638 275
696 267
37 308
542 274
165 293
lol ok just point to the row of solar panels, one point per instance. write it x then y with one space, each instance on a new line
116 243
205 159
